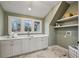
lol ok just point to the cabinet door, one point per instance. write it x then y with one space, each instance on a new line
33 44
17 47
44 42
38 43
25 45
6 49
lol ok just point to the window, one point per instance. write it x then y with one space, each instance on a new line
28 25
37 26
17 24
14 24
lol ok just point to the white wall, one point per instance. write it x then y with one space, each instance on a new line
48 20
1 21
49 17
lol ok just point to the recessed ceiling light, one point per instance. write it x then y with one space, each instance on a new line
29 9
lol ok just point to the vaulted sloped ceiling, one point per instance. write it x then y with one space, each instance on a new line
60 12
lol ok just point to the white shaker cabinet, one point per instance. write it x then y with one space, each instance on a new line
13 47
5 48
44 42
16 47
38 43
35 43
26 45
10 47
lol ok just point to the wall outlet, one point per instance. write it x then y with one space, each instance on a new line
68 34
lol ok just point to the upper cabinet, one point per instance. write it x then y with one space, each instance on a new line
18 24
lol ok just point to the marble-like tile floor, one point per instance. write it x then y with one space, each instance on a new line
52 52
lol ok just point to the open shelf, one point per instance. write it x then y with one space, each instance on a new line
71 25
68 18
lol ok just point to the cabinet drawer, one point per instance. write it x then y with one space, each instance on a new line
5 42
16 41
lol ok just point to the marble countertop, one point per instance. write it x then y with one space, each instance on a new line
21 36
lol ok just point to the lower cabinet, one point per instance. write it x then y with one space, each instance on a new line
5 48
37 43
15 47
44 42
25 45
10 48
33 44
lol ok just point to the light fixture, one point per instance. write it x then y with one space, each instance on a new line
29 9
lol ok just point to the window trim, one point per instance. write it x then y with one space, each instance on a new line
22 24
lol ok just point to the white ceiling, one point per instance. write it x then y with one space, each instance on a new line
39 8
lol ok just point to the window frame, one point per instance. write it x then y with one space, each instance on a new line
22 24
40 26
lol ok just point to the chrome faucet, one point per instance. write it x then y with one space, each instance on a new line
13 35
